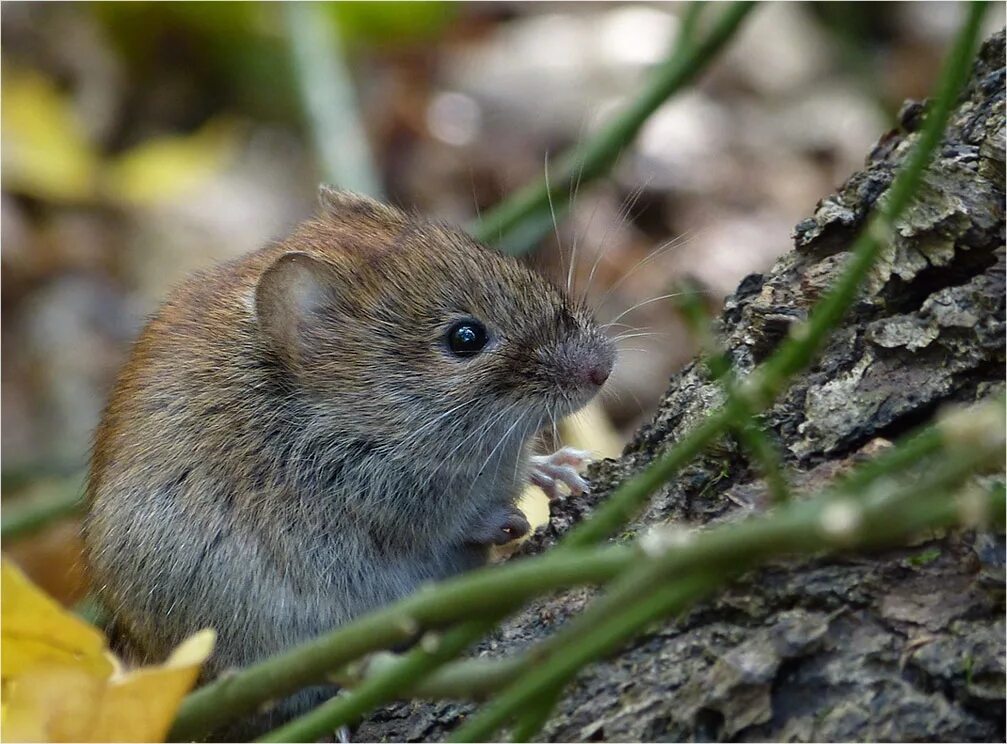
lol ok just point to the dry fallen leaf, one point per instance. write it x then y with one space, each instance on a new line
46 151
60 682
167 167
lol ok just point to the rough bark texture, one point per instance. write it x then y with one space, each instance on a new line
905 645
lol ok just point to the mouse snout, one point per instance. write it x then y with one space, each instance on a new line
595 371
599 373
586 365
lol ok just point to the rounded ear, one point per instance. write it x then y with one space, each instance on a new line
289 292
348 205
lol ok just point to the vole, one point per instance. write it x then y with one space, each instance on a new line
317 428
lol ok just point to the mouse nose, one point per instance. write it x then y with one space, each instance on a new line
597 367
598 374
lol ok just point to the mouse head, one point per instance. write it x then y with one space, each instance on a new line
418 330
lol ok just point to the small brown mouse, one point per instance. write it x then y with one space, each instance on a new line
317 428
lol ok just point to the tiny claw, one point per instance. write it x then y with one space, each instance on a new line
549 471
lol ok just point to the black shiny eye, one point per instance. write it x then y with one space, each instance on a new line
467 338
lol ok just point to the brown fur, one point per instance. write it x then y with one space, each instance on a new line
291 443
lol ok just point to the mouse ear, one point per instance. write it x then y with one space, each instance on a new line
343 204
295 287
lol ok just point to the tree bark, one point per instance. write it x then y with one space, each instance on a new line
901 645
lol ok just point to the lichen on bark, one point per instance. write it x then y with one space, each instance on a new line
901 645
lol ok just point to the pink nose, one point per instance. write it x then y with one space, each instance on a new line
598 375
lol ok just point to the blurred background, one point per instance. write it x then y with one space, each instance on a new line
142 141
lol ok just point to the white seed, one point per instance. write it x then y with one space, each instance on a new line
973 506
430 642
661 538
974 427
408 626
840 519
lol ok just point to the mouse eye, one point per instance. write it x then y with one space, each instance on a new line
467 338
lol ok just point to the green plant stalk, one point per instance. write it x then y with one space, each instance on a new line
488 590
751 434
603 637
627 499
329 101
646 595
807 339
19 522
534 717
465 679
595 156
764 452
347 708
770 378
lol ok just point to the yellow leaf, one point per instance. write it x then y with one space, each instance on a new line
51 703
60 683
45 152
140 705
167 167
37 631
535 505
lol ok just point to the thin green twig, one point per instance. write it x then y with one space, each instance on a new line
535 715
749 430
431 652
329 101
496 588
595 156
26 519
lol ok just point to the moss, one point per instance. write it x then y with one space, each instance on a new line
927 556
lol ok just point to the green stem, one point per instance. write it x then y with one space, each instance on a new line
534 717
603 637
465 679
595 156
755 440
21 521
348 707
478 593
809 337
766 382
329 101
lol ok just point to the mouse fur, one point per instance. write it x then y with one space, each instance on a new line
292 443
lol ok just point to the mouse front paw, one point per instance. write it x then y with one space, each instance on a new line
502 526
549 471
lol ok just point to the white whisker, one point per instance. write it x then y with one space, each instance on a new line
669 245
552 211
638 305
